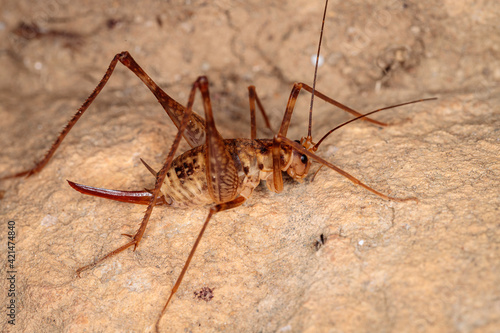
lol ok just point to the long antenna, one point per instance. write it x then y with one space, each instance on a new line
316 73
367 114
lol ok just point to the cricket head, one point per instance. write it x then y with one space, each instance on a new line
299 164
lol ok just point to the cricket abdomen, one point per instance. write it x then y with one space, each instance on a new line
186 183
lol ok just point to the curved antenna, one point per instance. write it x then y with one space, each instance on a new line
367 114
309 137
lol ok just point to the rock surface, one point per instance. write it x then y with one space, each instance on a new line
385 266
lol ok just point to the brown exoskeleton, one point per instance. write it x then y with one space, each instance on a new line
218 172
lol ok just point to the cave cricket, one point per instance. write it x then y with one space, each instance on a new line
215 172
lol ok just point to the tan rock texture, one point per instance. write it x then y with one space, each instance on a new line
385 266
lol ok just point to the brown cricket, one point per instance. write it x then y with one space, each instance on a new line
215 172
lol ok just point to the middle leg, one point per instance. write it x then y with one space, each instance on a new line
136 238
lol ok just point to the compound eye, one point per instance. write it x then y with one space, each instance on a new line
303 159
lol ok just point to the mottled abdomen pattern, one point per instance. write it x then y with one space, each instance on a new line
186 182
